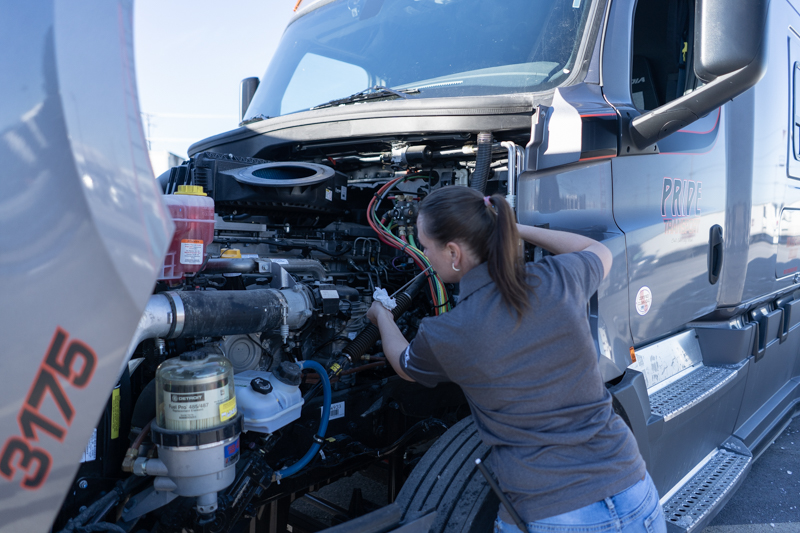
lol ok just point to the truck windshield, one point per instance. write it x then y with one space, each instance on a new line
424 48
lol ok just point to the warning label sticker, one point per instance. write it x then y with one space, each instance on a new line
337 410
227 410
191 252
90 453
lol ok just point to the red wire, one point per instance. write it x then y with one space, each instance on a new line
394 244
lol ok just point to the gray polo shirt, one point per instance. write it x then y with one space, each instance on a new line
534 388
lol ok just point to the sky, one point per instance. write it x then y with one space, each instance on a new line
190 57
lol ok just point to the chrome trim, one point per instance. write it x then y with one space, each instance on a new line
180 314
513 170
201 447
156 321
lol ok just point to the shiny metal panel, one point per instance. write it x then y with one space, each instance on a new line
579 199
788 261
82 235
666 204
665 359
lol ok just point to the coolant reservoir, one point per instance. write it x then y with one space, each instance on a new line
269 400
194 392
193 214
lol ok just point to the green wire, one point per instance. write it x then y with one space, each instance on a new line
411 246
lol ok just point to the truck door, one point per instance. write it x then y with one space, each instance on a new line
667 198
788 256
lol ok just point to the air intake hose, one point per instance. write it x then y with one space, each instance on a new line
230 312
483 161
369 335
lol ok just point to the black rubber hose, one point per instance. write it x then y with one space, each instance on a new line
230 312
114 495
482 162
425 425
371 333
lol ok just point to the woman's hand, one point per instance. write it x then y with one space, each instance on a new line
376 311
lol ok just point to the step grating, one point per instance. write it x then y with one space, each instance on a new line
701 494
690 390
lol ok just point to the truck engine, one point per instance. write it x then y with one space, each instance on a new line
253 377
254 373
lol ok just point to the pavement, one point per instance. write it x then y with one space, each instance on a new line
769 499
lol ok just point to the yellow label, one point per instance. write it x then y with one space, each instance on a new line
115 413
335 368
233 252
227 410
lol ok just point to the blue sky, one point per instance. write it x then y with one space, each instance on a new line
191 56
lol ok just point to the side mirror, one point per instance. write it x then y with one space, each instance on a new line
247 88
730 55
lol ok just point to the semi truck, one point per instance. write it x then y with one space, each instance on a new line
191 353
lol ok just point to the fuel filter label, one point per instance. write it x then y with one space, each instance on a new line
194 410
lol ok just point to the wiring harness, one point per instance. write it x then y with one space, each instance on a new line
404 241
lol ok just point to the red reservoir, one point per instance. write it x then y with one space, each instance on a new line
193 214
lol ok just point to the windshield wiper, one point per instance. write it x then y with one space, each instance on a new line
373 93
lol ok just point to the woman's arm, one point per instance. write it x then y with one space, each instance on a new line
562 242
394 344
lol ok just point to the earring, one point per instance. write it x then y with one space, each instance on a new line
454 267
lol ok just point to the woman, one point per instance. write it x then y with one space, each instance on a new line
519 345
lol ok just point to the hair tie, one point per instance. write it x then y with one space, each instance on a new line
487 200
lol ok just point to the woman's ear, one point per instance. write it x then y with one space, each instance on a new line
456 253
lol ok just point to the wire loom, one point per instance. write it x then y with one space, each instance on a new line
441 303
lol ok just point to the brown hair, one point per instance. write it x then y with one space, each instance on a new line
487 227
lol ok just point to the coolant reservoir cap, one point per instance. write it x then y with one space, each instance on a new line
194 190
193 356
288 373
261 385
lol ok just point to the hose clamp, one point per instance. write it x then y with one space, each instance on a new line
284 327
317 439
178 314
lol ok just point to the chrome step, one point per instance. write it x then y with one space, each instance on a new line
689 390
700 497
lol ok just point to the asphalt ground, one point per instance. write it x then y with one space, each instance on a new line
769 499
767 502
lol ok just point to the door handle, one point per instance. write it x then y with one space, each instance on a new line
714 253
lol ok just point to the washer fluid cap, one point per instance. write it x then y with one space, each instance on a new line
261 386
194 190
193 356
288 373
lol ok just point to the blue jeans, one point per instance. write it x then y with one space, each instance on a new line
634 510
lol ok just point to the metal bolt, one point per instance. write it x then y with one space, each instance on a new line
83 484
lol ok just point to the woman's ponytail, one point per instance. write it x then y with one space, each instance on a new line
504 260
486 224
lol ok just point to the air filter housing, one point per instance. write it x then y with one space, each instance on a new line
281 187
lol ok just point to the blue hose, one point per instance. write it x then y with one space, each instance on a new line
323 423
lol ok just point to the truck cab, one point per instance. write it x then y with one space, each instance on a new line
666 130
